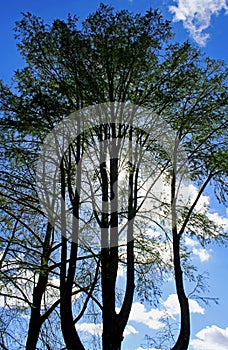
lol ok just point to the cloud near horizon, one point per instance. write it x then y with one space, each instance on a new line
196 16
211 338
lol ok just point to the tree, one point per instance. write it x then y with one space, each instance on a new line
141 86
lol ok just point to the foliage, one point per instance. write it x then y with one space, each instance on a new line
112 57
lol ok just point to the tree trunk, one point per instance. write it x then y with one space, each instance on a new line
69 332
112 335
184 335
182 342
35 318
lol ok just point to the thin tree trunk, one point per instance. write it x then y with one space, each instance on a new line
69 332
184 335
182 342
35 318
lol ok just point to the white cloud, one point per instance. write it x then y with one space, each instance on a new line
96 329
190 242
140 348
202 253
203 201
211 338
173 308
121 270
129 330
149 318
219 220
91 328
153 319
12 295
172 305
196 16
189 194
195 308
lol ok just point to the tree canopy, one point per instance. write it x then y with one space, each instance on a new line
147 117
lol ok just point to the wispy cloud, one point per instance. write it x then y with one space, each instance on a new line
196 16
211 338
202 253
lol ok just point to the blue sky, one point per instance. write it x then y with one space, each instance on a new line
205 24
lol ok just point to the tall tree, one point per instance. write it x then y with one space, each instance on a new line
149 87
